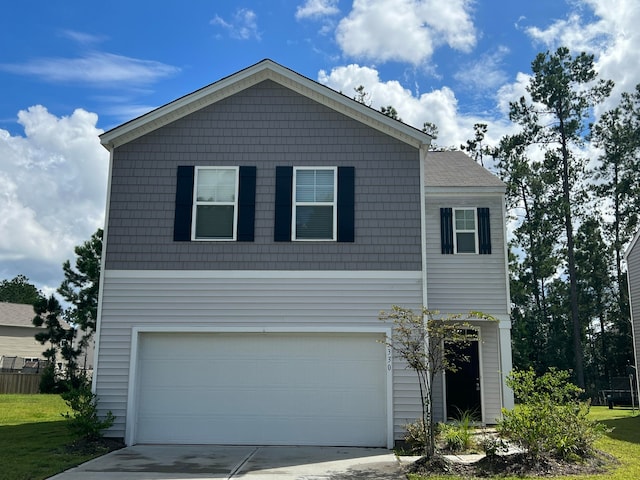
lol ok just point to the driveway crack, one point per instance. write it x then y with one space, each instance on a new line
242 463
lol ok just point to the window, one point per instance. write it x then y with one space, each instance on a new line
465 231
314 204
215 203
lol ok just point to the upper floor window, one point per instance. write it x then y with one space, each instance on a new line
465 231
215 203
314 203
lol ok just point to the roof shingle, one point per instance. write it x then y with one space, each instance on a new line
456 169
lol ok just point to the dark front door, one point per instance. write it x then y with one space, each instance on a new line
463 386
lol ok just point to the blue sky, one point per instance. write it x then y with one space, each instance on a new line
70 70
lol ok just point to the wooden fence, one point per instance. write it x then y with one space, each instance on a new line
11 382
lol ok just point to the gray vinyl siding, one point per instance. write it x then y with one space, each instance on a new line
633 276
135 299
460 283
265 126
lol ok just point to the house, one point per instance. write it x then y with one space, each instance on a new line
255 229
632 258
18 347
17 336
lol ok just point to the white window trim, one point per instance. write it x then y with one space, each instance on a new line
456 231
196 203
334 204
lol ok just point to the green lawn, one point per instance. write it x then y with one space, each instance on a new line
623 442
33 437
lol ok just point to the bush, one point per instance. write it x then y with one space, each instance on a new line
458 435
416 436
84 421
48 382
550 419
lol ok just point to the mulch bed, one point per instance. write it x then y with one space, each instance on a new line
517 464
99 446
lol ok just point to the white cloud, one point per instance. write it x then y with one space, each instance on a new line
82 38
242 26
485 74
317 9
405 30
611 34
97 68
437 106
52 192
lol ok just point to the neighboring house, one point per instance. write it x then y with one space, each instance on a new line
632 257
17 339
17 336
255 229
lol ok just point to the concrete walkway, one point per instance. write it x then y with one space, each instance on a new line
183 462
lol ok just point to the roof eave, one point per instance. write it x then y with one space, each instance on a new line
452 190
264 70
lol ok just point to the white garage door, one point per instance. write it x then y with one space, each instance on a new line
262 388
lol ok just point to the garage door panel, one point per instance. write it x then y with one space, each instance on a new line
291 389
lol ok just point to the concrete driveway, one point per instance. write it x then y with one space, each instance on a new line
182 462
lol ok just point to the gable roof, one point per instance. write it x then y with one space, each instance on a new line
631 246
261 71
20 315
450 170
16 314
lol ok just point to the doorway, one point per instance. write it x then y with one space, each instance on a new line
463 387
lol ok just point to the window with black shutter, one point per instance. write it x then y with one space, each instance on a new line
215 203
465 230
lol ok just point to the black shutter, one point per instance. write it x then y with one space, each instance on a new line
184 204
446 230
346 203
246 203
484 231
284 198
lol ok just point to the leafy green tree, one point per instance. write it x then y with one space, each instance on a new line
563 89
19 290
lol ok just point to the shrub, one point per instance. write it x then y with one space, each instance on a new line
416 436
458 435
550 419
493 445
84 421
48 382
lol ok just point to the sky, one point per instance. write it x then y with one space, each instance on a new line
70 70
